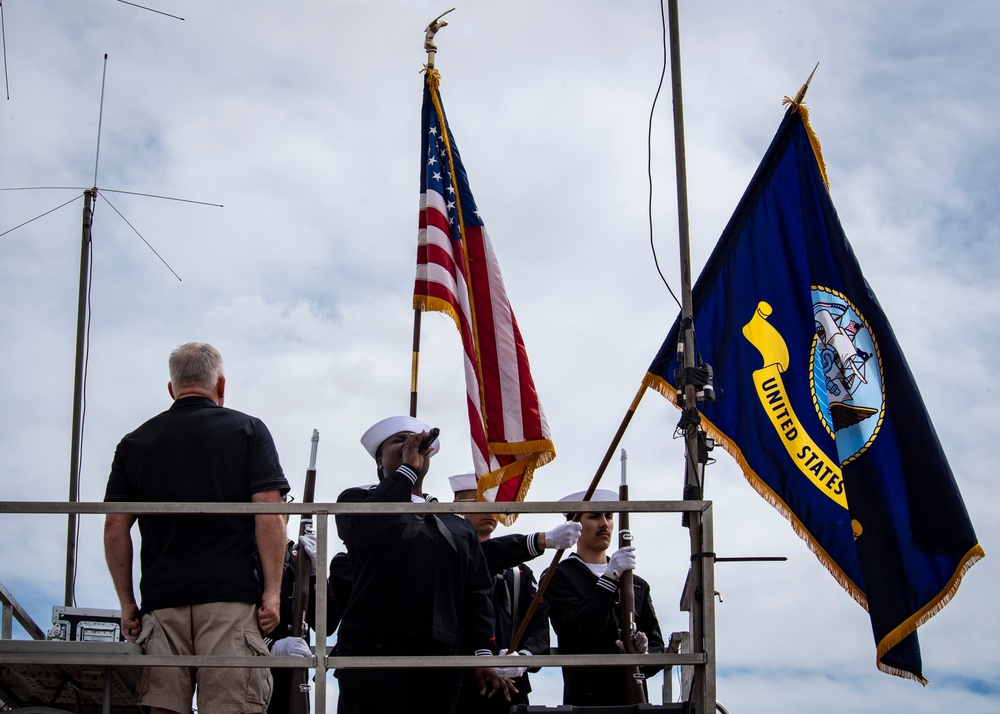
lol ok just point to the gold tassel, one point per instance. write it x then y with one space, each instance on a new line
803 111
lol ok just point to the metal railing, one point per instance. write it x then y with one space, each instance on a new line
701 661
10 609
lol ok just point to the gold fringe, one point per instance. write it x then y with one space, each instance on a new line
656 382
426 303
433 77
975 554
896 672
525 468
521 447
899 633
803 111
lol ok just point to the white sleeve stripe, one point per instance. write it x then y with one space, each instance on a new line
532 545
607 583
408 472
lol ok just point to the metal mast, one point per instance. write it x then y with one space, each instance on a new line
77 434
701 576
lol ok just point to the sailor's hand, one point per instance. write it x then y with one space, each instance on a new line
640 644
491 684
131 622
563 536
511 672
268 614
417 460
620 561
291 647
308 541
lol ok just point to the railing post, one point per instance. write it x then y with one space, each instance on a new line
708 608
7 628
322 564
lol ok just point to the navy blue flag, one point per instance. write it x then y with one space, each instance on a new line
816 403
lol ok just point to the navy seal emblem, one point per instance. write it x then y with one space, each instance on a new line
846 378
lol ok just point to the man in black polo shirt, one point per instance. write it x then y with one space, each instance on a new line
198 585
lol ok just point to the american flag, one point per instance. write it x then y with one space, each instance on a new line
458 274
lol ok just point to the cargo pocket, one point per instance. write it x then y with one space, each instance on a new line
258 679
149 624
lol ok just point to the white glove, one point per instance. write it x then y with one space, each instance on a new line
511 672
621 560
640 641
563 536
291 647
308 541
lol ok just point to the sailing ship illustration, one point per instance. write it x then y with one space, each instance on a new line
844 365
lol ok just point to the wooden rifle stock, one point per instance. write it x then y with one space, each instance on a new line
634 685
298 696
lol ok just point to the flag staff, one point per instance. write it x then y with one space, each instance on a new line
805 87
436 24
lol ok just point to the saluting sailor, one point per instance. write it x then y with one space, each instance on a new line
421 586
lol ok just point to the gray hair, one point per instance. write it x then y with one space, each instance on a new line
195 364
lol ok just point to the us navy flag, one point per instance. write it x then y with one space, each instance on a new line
817 404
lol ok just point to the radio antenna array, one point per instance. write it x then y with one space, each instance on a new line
83 324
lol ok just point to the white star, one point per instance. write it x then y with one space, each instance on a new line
451 189
451 205
431 161
434 131
436 177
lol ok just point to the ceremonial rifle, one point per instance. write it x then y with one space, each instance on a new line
634 685
298 697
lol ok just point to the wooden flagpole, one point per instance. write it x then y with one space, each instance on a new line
436 24
414 364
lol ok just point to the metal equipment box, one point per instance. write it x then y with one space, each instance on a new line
85 624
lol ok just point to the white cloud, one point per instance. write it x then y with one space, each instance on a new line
303 120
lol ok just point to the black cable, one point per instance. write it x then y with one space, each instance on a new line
86 368
649 153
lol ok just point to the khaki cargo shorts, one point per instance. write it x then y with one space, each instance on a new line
216 628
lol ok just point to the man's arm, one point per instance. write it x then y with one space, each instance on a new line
357 529
269 529
118 553
509 551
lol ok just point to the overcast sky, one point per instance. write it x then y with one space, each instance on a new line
303 120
